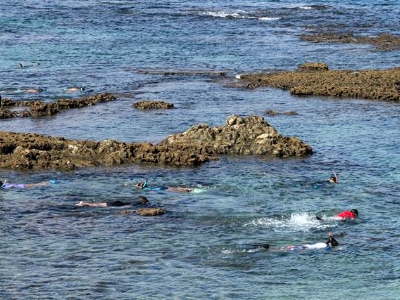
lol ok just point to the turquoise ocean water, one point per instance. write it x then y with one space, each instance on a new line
199 249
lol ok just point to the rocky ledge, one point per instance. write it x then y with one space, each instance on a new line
199 144
149 104
383 42
38 108
315 79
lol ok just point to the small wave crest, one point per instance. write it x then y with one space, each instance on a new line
224 14
239 14
297 222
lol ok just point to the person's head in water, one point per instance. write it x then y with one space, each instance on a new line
331 242
355 212
141 184
333 179
143 200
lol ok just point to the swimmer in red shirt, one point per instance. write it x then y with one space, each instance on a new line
347 214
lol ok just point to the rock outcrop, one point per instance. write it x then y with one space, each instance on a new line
240 136
145 212
315 79
199 144
148 104
383 42
38 108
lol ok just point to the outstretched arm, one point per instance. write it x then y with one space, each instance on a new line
91 204
44 183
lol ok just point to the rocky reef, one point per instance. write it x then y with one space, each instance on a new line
383 42
199 144
316 79
239 136
38 108
148 104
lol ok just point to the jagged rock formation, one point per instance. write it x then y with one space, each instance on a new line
199 144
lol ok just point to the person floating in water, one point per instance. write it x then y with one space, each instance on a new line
145 187
74 89
117 203
333 178
7 185
347 214
344 215
32 90
328 245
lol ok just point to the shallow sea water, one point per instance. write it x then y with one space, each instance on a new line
201 248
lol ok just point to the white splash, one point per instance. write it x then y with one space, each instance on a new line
297 222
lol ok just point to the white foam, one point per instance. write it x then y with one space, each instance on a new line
223 14
269 19
198 190
296 222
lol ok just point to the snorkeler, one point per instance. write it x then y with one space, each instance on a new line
74 89
117 203
32 91
145 187
347 214
6 185
328 245
333 178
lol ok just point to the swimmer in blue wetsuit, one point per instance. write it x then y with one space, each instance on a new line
6 185
145 187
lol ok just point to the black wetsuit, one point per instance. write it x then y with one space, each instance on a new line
331 242
118 203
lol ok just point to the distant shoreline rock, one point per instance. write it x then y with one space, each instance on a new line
199 144
383 42
316 79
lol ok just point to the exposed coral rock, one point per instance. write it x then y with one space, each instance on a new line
38 108
367 84
239 136
146 212
383 42
153 105
270 112
309 67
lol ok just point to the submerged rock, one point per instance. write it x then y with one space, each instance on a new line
149 212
